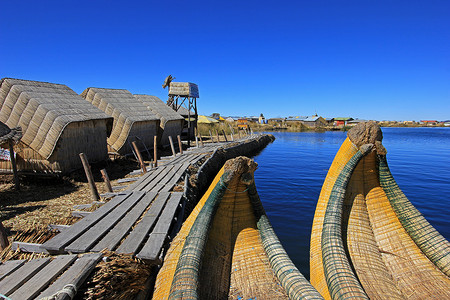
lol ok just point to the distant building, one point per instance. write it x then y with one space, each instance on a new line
355 122
261 119
295 118
342 121
313 121
429 122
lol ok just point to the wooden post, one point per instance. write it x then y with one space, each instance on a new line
218 138
106 180
90 178
172 146
155 150
141 160
180 145
14 166
196 142
225 135
239 132
3 238
201 140
210 135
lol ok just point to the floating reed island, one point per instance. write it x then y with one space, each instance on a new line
368 240
227 248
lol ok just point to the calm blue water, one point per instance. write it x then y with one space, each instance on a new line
291 172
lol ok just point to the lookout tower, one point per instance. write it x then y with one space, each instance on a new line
183 99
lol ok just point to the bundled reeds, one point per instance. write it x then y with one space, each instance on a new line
368 240
133 121
227 248
57 125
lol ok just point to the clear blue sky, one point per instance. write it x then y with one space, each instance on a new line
383 60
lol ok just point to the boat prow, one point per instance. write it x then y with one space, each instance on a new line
227 248
368 240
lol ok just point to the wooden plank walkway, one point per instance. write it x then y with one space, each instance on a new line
38 278
136 221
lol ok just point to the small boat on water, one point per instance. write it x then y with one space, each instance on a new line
227 248
368 241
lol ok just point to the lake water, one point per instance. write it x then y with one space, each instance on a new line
291 172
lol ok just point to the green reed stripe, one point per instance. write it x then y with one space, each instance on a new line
294 283
185 282
342 282
426 237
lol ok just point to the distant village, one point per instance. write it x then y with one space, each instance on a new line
310 122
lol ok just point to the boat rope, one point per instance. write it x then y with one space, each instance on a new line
226 187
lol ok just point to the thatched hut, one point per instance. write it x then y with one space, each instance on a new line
171 121
132 120
57 125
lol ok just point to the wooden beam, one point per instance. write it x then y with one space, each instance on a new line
172 146
90 178
141 160
3 238
14 166
155 151
180 145
106 180
225 135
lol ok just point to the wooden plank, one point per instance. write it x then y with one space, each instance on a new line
10 266
75 276
170 175
110 195
119 187
150 185
169 185
58 242
89 205
88 239
28 247
57 227
32 288
80 213
134 240
154 244
145 179
12 282
139 171
115 235
124 180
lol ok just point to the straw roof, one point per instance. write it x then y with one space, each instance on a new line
43 110
7 133
159 108
124 107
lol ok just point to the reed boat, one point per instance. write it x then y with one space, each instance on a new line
227 249
368 241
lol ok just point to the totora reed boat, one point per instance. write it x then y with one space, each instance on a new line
368 241
227 248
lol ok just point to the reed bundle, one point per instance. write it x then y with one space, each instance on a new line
227 248
368 240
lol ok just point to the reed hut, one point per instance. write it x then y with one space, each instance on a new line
132 120
171 122
57 124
